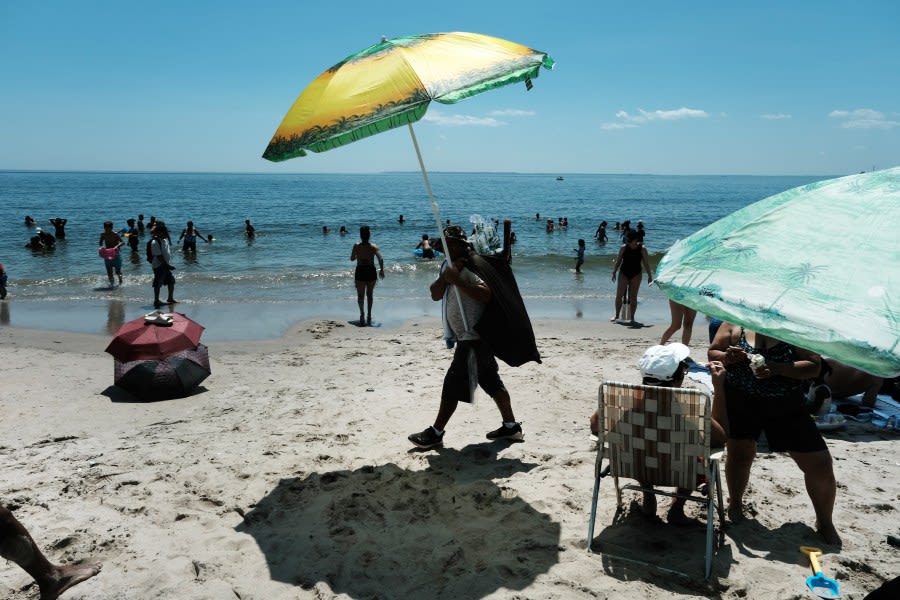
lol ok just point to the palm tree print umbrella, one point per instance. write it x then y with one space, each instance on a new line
817 266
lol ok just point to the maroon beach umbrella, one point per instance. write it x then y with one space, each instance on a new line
152 339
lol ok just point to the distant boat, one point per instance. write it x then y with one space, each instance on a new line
559 178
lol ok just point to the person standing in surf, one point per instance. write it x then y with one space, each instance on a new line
364 253
632 256
110 246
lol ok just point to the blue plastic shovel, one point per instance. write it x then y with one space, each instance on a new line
818 584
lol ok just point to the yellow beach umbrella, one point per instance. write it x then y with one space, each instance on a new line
392 83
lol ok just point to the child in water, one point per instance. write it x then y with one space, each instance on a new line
579 259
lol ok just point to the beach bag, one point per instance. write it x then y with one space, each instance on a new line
108 253
505 325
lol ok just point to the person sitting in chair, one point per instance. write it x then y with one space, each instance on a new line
667 366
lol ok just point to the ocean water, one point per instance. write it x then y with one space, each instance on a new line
255 288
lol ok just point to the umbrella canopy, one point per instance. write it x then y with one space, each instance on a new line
174 376
390 84
817 266
141 339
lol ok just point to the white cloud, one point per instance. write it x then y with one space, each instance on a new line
775 116
617 125
662 115
643 116
461 120
864 118
512 112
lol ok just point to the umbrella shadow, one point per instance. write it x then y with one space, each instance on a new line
119 395
445 532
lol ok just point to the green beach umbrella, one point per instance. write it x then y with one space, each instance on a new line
817 266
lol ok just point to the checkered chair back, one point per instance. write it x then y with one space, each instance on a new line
656 435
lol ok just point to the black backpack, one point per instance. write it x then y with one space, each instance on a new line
149 251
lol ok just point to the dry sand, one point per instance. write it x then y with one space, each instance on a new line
289 475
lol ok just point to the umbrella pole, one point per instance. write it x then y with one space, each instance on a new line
434 206
437 218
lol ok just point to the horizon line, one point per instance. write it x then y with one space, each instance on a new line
548 174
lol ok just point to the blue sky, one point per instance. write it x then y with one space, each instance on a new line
800 87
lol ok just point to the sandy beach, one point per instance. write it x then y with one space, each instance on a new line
289 475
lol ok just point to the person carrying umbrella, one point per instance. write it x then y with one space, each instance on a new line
465 297
160 250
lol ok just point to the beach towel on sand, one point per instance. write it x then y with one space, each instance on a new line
505 325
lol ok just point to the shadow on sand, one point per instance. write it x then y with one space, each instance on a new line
445 532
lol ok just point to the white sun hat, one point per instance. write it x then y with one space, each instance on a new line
661 362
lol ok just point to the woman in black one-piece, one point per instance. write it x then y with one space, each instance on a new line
364 253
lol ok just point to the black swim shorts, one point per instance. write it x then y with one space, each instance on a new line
456 381
793 431
366 273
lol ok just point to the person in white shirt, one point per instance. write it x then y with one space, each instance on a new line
465 296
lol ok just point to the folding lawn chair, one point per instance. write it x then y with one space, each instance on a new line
658 436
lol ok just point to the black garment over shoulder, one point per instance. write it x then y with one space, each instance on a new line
505 324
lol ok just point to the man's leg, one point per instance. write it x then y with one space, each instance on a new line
504 403
17 546
446 410
818 473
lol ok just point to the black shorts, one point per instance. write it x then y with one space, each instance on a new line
793 431
366 273
162 276
456 381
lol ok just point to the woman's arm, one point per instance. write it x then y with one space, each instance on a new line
618 262
353 252
380 261
645 258
719 407
806 366
722 347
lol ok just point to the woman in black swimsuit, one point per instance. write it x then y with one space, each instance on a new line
365 253
632 256
771 399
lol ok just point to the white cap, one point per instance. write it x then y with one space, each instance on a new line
661 362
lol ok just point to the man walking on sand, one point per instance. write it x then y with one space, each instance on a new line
472 353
